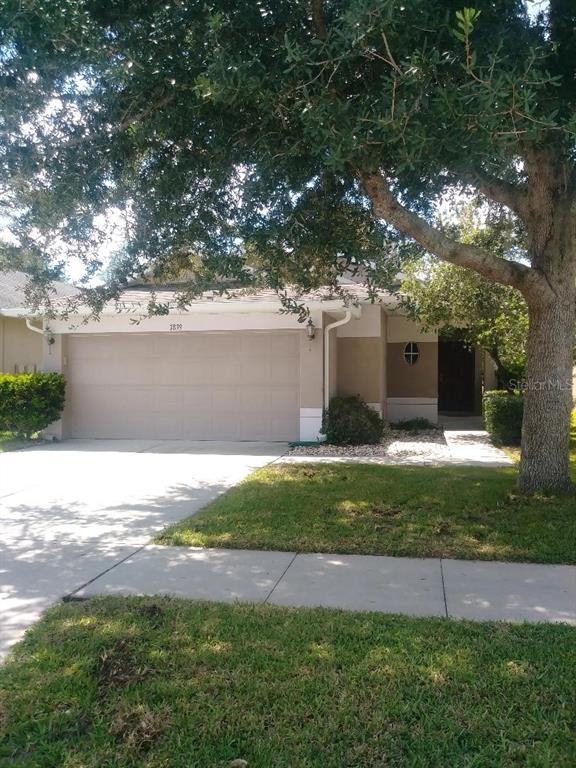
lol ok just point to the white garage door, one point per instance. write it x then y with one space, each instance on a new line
197 386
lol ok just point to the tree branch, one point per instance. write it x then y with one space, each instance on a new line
318 20
499 191
128 120
385 206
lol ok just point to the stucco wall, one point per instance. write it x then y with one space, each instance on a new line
20 348
418 380
360 367
412 390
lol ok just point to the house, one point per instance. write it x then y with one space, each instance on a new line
21 349
236 368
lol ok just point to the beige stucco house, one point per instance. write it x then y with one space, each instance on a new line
21 350
236 368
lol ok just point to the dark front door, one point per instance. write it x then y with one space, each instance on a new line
455 377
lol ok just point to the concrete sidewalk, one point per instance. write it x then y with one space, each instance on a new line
426 587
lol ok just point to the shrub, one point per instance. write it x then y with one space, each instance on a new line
414 425
30 402
503 416
350 421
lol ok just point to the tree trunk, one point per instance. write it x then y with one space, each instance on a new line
545 462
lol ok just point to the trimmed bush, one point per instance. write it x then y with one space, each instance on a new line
503 416
29 402
414 425
350 421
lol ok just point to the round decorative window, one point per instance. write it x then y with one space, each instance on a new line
411 352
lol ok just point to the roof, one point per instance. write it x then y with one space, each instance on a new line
138 297
13 289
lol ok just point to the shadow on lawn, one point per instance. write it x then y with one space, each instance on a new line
455 512
153 682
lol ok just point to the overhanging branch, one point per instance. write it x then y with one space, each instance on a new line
499 191
385 206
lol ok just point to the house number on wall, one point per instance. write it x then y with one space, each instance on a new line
175 326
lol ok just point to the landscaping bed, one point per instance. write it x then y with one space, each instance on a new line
166 683
428 444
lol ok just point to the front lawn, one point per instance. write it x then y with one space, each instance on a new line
472 513
459 512
165 683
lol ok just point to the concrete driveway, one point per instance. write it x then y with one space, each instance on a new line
69 511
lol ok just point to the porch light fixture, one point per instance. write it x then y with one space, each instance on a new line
310 330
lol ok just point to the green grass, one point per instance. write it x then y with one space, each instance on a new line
461 512
9 442
165 683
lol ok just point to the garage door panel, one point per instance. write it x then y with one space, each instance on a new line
284 371
136 424
285 346
224 370
255 370
284 400
169 398
283 425
197 398
226 399
113 399
238 386
88 347
256 345
167 372
254 399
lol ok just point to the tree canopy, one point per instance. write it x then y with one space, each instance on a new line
463 304
232 128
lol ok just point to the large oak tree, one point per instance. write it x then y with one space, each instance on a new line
301 136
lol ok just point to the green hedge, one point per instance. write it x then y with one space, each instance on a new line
503 416
350 421
29 402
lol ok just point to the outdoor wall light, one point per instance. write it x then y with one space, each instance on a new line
310 329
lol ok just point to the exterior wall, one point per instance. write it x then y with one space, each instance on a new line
55 360
370 363
333 363
20 348
402 329
175 323
311 383
411 390
360 368
360 356
384 365
418 380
